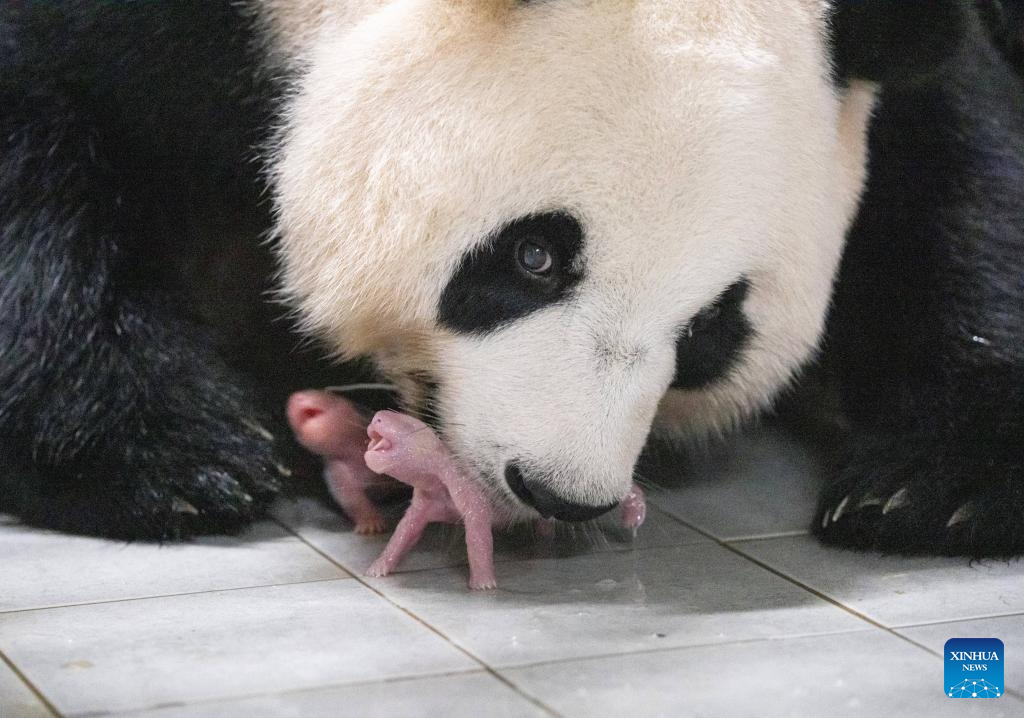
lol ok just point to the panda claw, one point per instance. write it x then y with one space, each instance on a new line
962 514
840 509
867 501
181 506
897 500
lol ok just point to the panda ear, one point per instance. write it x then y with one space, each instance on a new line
890 41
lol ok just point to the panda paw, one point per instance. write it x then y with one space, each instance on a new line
165 476
211 478
913 495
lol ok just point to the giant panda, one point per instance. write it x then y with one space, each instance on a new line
561 229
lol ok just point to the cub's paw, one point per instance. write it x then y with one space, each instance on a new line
914 495
483 583
371 525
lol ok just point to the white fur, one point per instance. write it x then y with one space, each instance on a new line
696 141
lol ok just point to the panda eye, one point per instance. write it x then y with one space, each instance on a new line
531 263
534 256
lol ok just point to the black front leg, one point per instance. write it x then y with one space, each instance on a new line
927 330
117 416
947 481
125 423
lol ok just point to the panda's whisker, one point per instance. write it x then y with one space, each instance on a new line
644 482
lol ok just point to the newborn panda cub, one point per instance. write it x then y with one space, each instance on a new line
406 449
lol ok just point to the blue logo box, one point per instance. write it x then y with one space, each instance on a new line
974 668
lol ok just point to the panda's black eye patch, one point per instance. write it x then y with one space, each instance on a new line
529 264
712 342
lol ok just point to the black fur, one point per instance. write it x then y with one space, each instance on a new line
712 343
136 356
489 289
126 190
892 42
927 333
1005 22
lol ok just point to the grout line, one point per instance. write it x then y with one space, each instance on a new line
100 602
289 692
799 584
466 652
896 630
768 536
958 620
708 533
605 546
724 543
892 630
1011 691
864 617
743 642
608 551
689 647
5 660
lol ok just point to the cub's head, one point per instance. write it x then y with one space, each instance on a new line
545 220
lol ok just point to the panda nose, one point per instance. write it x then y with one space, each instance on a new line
548 503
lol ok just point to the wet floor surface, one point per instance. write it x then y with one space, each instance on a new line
722 605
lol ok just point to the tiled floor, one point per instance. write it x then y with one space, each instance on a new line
722 606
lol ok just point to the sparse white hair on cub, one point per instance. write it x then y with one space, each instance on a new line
695 142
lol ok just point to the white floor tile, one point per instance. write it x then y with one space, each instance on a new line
299 638
758 484
862 674
1008 629
614 602
136 654
16 700
332 533
895 590
444 546
462 696
43 569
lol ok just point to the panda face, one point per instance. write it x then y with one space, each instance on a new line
557 224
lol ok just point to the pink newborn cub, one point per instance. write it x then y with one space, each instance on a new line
407 449
333 428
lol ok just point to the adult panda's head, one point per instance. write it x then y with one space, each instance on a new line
537 217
